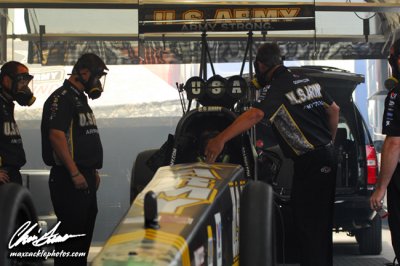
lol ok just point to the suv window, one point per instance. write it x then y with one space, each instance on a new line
346 149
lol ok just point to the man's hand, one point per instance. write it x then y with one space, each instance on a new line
4 177
213 149
333 118
97 180
244 122
377 198
79 182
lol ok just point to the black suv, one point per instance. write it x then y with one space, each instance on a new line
357 163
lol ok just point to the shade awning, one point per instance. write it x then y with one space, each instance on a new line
114 4
154 32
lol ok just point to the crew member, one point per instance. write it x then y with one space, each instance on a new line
304 119
389 174
14 86
71 146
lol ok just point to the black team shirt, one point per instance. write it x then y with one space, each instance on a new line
11 150
295 107
67 109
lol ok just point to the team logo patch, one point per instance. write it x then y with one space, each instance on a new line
326 169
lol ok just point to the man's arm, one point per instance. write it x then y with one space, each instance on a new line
244 122
59 143
389 160
333 118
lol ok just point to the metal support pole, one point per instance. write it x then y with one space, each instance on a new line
42 31
3 35
203 60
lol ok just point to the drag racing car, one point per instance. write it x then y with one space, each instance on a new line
187 212
190 214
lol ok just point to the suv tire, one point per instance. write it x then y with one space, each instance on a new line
370 239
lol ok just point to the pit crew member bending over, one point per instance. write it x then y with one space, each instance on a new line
304 119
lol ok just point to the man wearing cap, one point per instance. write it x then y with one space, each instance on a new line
71 146
389 174
304 119
14 86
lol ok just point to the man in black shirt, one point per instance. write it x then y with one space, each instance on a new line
14 86
389 174
71 145
304 119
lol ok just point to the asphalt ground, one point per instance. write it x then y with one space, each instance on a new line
345 250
